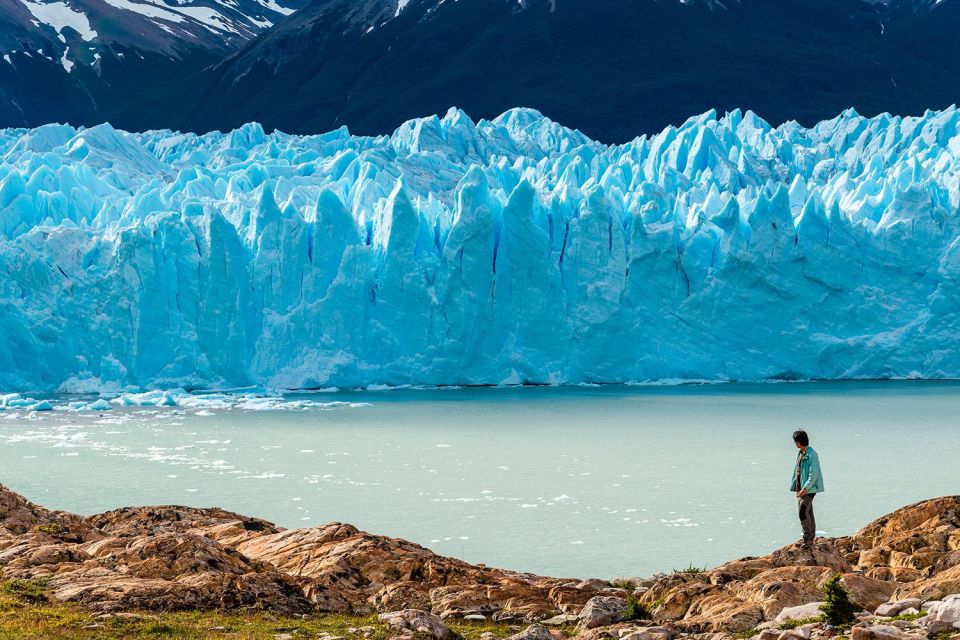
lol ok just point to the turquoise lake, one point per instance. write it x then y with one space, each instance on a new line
584 482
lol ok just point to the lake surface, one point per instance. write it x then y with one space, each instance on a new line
604 482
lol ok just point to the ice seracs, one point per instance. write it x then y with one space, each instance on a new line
504 251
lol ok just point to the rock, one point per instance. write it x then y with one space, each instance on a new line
600 611
867 592
533 632
180 557
823 554
795 634
769 634
878 632
943 616
475 617
414 620
894 608
937 586
649 633
801 612
606 632
910 611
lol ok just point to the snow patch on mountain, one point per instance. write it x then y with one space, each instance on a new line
504 251
60 16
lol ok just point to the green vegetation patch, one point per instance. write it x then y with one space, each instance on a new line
793 624
27 613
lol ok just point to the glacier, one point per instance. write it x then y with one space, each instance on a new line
454 252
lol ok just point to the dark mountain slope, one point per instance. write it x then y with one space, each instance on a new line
86 61
613 68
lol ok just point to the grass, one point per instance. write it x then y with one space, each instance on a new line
910 617
26 613
33 591
691 570
793 624
746 635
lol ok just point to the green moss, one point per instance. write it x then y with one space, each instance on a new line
910 617
746 635
793 624
54 529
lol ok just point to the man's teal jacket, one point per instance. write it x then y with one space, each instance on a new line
811 478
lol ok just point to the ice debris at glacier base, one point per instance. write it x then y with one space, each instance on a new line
504 251
200 404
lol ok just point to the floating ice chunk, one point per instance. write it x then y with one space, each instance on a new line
148 399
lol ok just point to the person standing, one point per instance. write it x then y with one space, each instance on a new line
807 482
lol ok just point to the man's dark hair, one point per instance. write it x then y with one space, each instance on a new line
801 438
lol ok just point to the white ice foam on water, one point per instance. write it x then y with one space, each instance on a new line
506 252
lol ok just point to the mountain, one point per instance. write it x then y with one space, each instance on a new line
511 250
612 68
85 61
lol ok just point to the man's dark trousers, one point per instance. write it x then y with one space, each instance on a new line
807 520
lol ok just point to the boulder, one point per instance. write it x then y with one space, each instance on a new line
867 592
801 612
415 620
600 611
944 615
533 632
890 609
880 632
823 554
649 633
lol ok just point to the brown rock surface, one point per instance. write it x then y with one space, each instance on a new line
173 557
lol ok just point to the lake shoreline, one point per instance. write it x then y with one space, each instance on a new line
172 558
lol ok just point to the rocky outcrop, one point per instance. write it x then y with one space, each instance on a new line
171 557
912 552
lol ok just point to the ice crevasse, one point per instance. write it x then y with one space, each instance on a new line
505 251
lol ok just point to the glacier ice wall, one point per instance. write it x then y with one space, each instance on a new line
454 252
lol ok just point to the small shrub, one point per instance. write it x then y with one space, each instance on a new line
691 569
837 607
746 635
635 610
626 585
